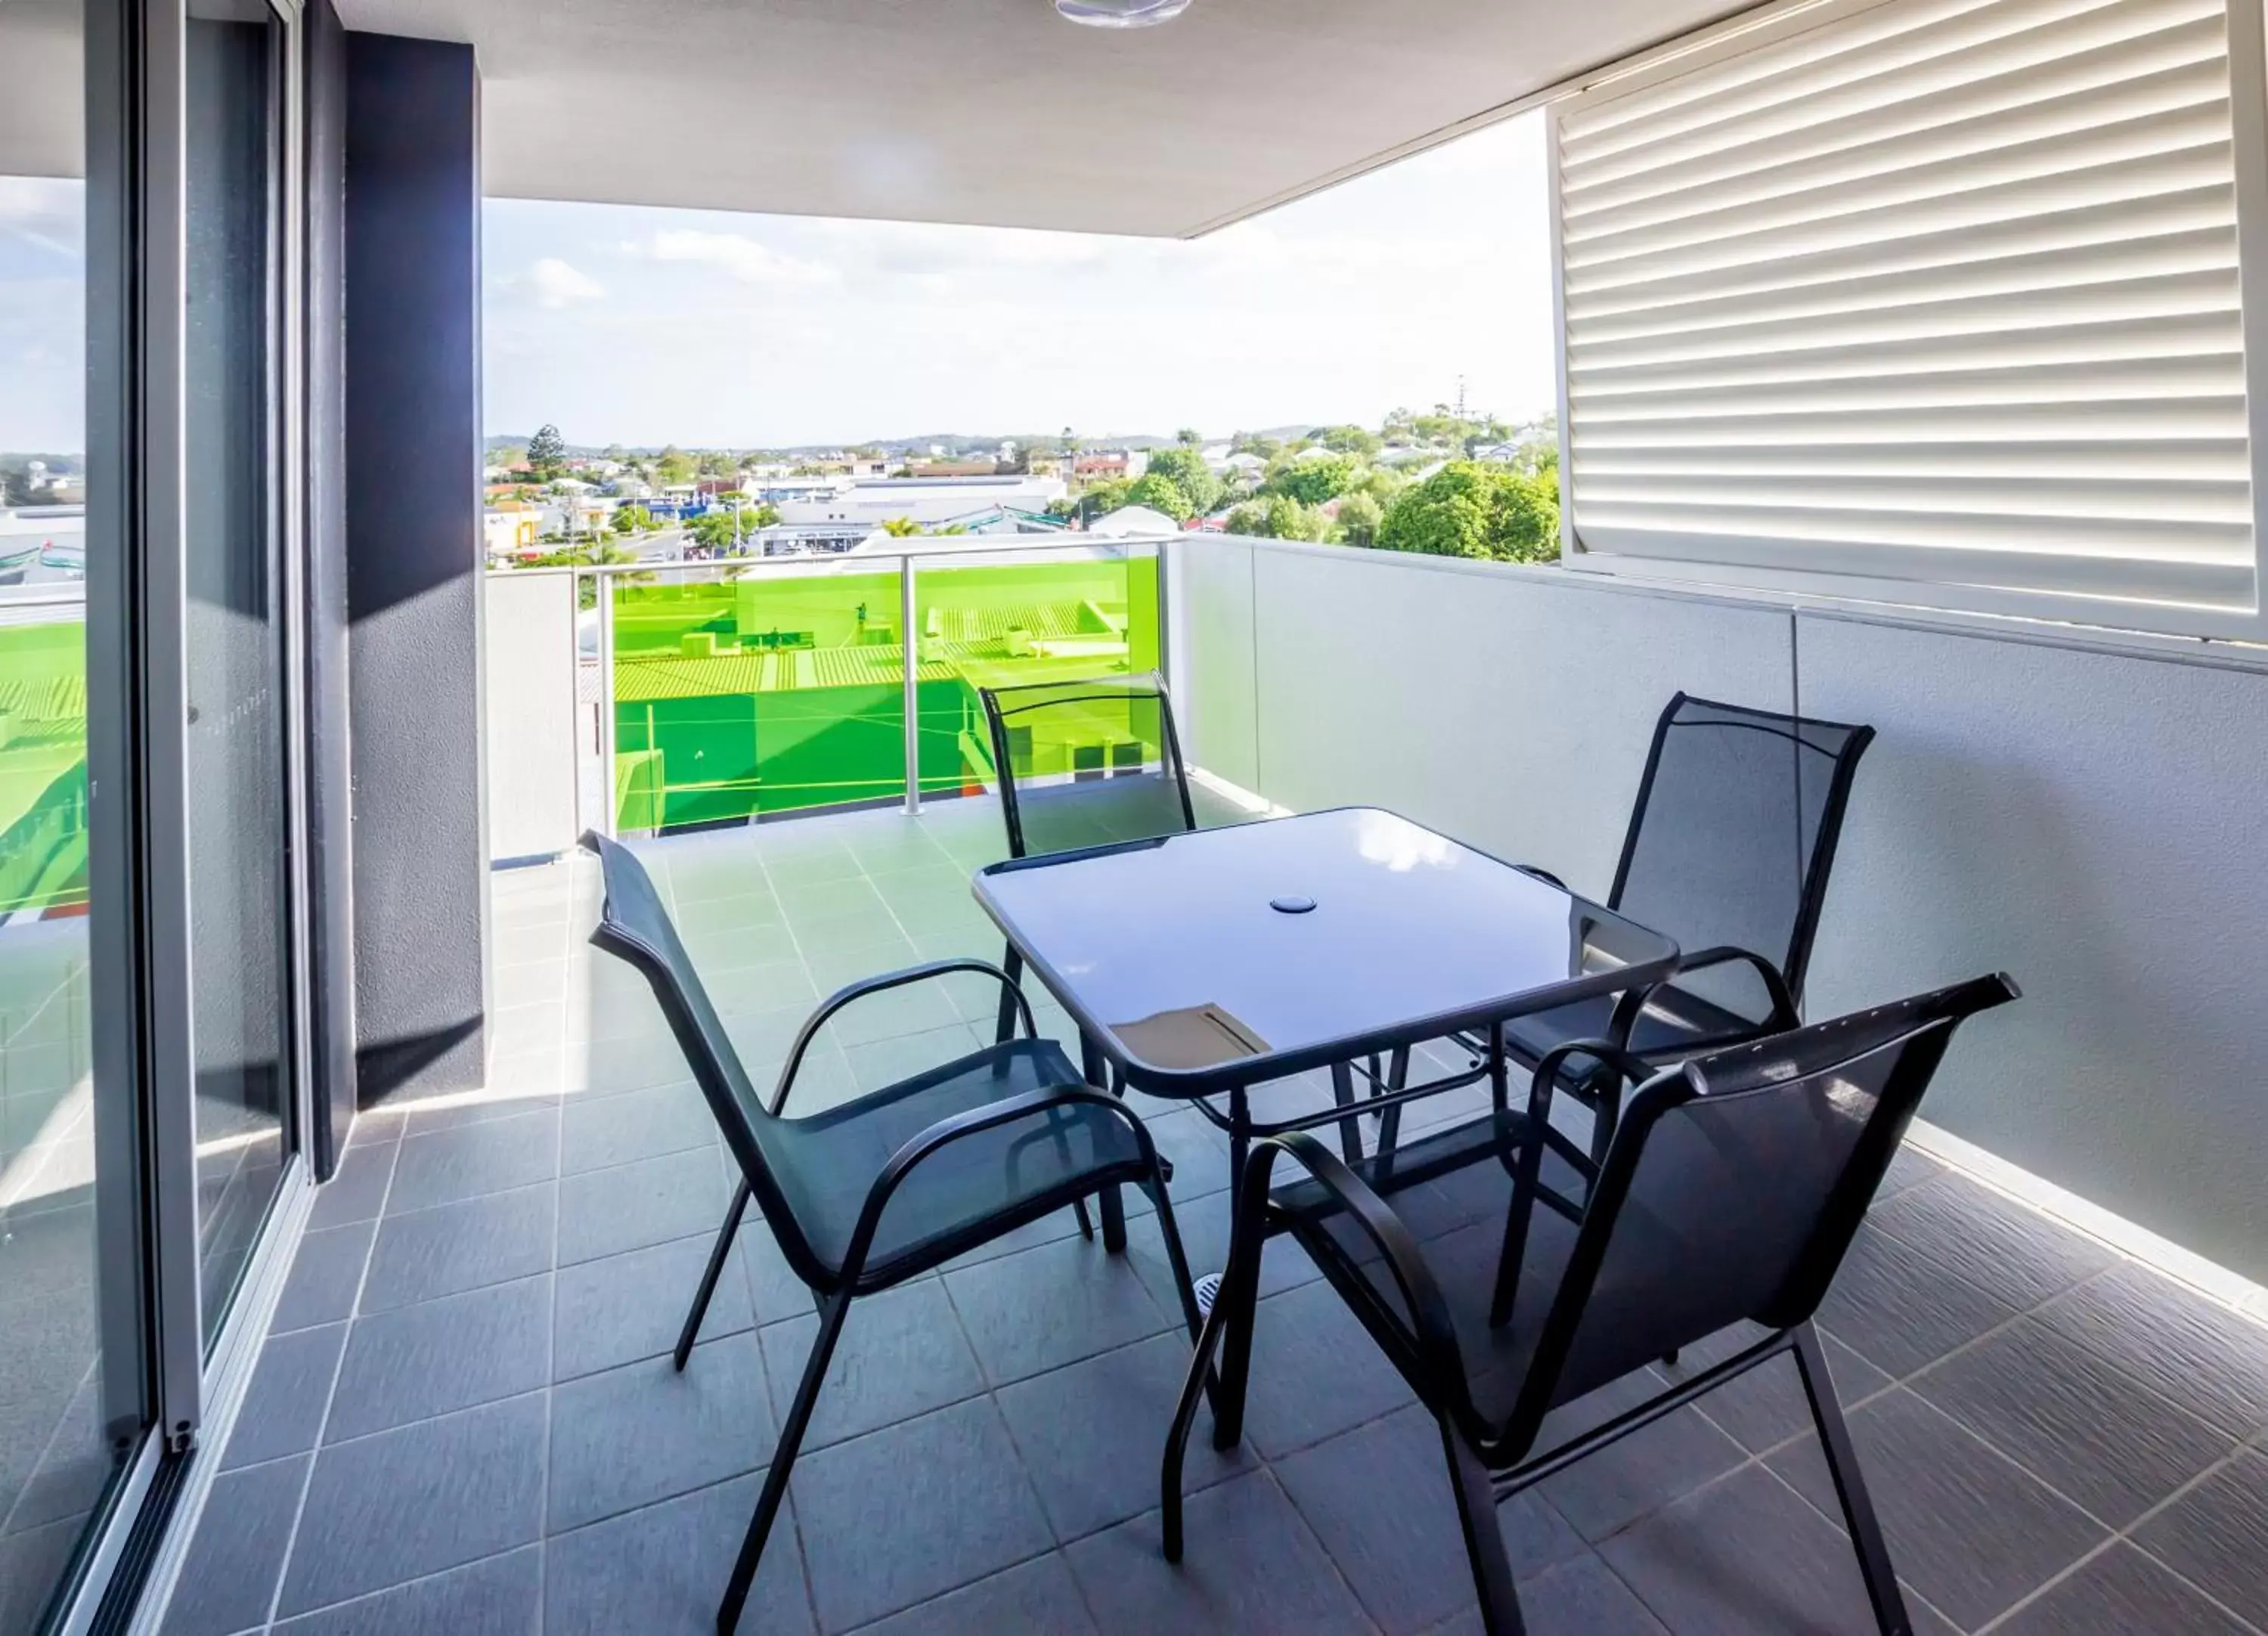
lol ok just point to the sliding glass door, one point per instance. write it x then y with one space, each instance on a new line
234 529
149 968
76 1397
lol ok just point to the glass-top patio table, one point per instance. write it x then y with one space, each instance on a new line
1200 965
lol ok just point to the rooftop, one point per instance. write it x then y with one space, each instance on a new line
465 1420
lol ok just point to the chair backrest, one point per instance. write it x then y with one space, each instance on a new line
1087 762
635 926
1734 1188
1733 835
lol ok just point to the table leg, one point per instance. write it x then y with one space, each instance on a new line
1350 1127
1093 1064
1012 963
1240 1146
1390 1122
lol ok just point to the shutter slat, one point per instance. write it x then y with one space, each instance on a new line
2121 379
2149 255
2180 313
1938 291
2171 461
2178 69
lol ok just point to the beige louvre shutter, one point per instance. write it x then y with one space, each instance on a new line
1939 295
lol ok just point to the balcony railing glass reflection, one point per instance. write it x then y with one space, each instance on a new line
780 687
43 756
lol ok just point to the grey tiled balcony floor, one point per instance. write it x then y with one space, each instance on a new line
465 1421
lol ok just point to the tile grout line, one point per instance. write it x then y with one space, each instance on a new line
330 1397
756 1327
2125 1537
2115 1536
551 1315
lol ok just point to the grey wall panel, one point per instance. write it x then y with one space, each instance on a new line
2090 821
1209 594
413 562
1511 710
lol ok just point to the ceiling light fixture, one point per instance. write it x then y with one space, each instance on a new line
1121 13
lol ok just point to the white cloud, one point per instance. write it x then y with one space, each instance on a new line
746 259
556 284
44 211
553 284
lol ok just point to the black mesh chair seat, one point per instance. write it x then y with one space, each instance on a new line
1730 1195
1673 1024
1010 1173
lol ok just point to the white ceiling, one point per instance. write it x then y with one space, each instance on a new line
993 111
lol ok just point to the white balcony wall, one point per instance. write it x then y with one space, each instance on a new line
2092 821
529 648
1209 648
1512 709
2086 818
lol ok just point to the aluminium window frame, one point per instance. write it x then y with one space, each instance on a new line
2248 72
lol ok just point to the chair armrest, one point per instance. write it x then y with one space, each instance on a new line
1783 1015
869 986
961 1126
1436 1336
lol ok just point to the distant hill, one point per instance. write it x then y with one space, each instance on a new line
952 442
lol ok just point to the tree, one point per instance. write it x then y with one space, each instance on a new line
630 519
1253 442
716 529
1189 437
547 451
1185 468
1348 440
716 463
673 466
1161 493
1359 516
1381 483
1278 516
1104 497
900 528
1311 483
1470 510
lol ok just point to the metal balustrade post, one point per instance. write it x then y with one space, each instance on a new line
605 605
575 695
909 647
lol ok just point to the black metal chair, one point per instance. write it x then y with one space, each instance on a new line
1730 1193
1087 762
884 1187
1730 844
1082 763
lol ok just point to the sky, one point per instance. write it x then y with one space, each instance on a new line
648 327
42 315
